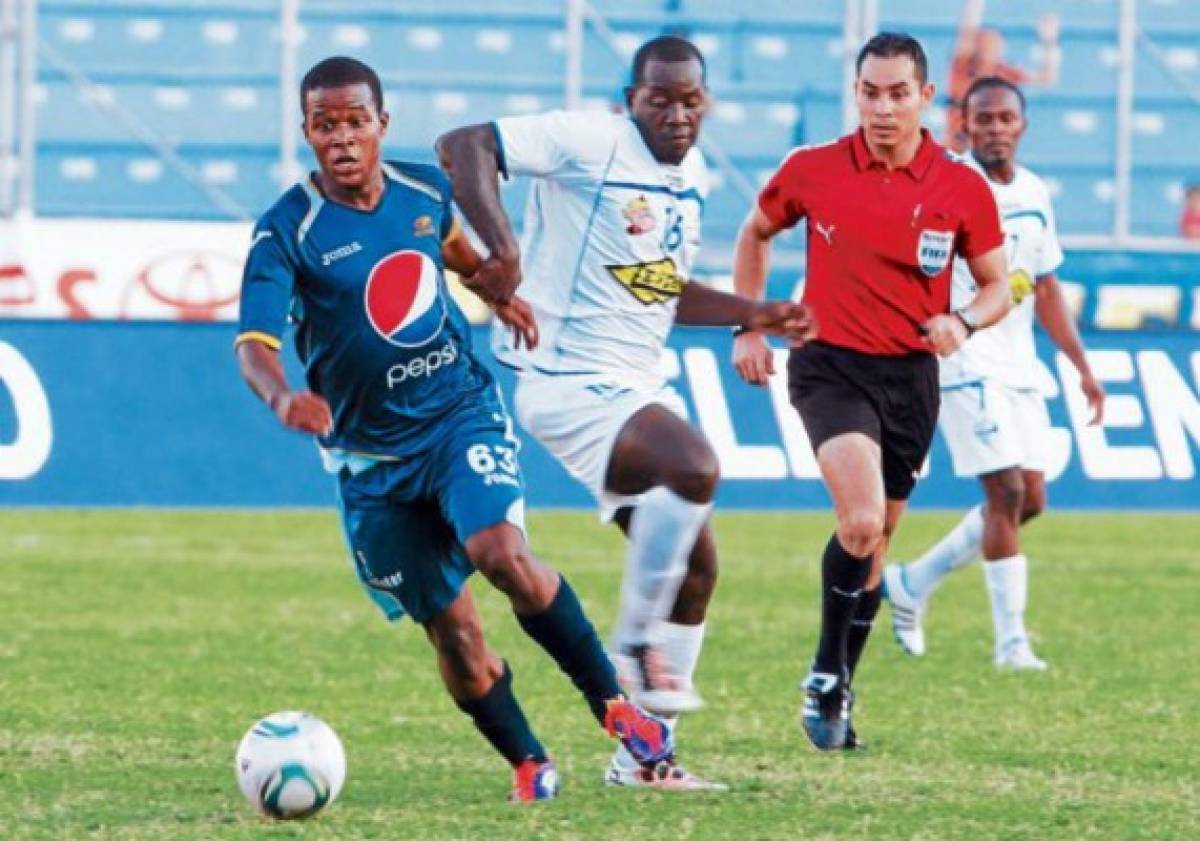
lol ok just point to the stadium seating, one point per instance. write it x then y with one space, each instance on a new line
201 76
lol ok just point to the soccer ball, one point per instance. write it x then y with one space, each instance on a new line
290 765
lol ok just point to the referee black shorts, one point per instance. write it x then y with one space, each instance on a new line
892 399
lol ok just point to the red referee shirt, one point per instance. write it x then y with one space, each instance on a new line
881 243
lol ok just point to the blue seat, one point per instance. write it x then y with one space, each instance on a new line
754 128
723 213
122 180
904 16
810 11
1164 16
1082 204
1165 134
1157 199
1067 132
1180 53
791 57
1088 64
720 45
194 113
164 38
1004 14
821 117
419 114
601 65
440 49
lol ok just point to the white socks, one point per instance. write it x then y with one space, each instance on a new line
1007 583
956 549
1007 578
661 536
680 645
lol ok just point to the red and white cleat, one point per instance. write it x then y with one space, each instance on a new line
644 674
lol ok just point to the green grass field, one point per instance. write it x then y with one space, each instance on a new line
137 647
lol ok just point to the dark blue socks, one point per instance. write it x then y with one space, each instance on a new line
501 721
567 635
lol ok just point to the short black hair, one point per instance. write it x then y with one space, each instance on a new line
892 44
338 72
666 48
987 82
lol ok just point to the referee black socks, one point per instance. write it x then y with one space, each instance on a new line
860 627
842 579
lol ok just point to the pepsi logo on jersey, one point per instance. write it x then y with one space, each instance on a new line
403 299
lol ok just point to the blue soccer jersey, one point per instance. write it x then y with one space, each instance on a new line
377 331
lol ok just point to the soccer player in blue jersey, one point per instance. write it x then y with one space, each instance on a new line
409 420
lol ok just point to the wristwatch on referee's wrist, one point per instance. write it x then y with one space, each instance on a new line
741 330
969 319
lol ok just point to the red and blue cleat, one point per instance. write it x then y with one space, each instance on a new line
533 780
647 738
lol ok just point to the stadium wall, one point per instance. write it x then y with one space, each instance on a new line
115 413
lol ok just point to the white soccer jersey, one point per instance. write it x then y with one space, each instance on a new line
610 236
1005 352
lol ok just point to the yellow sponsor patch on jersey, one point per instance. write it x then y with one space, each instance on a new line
651 283
1021 285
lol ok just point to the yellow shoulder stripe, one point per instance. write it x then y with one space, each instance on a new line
260 337
455 232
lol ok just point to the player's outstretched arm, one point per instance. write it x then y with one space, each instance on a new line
1055 316
702 306
302 411
469 157
752 356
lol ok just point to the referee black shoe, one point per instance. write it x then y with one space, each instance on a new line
826 712
852 740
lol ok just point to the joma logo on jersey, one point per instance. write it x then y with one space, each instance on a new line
338 253
651 283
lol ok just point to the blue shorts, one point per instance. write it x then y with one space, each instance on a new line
406 522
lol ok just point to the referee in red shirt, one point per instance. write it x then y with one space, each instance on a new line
887 210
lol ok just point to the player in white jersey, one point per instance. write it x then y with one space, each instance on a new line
611 233
993 416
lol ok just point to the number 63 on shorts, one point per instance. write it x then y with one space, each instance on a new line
496 463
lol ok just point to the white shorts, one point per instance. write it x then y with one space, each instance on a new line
990 427
577 417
